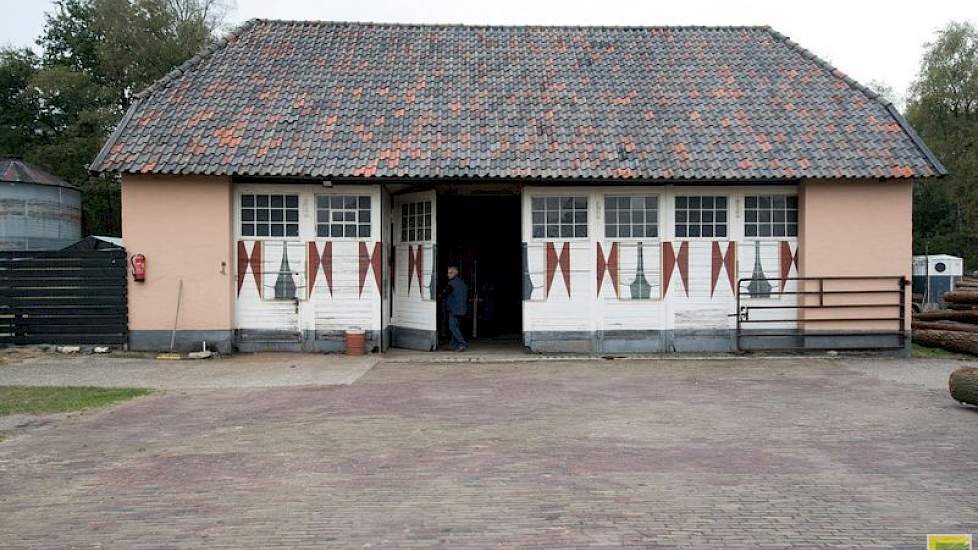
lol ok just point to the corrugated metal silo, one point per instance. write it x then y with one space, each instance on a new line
38 211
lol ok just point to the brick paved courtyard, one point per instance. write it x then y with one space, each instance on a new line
674 454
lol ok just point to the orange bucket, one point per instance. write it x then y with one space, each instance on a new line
356 342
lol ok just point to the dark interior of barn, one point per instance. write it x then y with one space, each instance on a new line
480 234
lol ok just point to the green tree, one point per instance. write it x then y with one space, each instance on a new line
57 110
943 108
18 108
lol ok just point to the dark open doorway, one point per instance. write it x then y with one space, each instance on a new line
481 235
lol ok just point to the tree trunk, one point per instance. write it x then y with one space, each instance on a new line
969 316
960 342
964 385
943 325
962 297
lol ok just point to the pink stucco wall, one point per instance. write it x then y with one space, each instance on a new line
183 225
856 228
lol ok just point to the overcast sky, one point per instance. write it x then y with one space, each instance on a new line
867 39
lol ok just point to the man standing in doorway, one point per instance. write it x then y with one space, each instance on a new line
456 297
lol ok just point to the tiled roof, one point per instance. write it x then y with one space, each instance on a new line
321 99
15 170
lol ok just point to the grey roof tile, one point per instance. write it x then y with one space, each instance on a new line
322 99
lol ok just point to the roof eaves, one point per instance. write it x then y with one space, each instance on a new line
939 169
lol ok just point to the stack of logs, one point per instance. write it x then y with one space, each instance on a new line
956 327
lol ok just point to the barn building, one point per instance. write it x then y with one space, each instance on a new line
606 189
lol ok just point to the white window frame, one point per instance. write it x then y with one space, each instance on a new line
403 227
562 194
624 194
239 215
357 223
772 194
730 236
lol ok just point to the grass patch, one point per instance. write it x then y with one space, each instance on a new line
935 353
45 399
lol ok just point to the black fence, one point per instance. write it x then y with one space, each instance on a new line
63 297
822 313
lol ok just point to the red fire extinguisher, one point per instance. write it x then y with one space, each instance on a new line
138 267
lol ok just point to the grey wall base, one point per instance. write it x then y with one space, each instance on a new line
703 341
412 338
629 341
227 341
185 340
311 341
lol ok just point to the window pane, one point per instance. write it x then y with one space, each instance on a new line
536 203
292 230
278 215
792 230
681 202
364 202
364 216
707 230
750 202
681 230
580 203
261 200
278 230
350 231
261 230
609 203
364 231
721 230
580 231
248 229
694 231
247 200
625 231
276 201
553 203
721 202
262 215
750 230
322 231
610 230
537 217
538 231
291 215
292 201
247 215
651 231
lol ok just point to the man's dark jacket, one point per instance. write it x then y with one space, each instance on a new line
457 296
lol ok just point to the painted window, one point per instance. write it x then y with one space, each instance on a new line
701 216
626 217
771 216
269 215
342 216
416 221
559 217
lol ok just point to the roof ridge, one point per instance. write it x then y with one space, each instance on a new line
206 52
873 96
327 22
176 72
